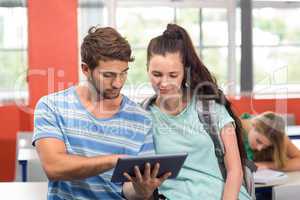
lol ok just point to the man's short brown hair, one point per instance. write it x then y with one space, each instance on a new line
104 44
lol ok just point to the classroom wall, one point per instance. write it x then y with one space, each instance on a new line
10 124
53 65
254 106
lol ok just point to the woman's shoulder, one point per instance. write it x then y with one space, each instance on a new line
246 124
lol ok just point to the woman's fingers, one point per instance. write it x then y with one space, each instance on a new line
165 177
147 171
148 174
138 175
129 178
155 170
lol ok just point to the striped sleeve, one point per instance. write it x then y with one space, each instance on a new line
45 121
147 147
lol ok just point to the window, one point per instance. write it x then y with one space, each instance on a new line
13 53
276 47
139 21
90 13
216 34
139 25
214 45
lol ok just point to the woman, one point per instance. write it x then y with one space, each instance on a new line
179 80
267 144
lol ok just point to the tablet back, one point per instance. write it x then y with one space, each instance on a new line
168 163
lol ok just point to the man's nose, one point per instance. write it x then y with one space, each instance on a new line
117 82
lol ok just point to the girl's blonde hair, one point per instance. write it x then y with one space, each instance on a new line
272 126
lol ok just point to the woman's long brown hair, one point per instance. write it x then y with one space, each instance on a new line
197 78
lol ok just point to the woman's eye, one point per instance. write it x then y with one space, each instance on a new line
155 74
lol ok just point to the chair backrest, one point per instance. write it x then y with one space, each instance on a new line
35 171
24 140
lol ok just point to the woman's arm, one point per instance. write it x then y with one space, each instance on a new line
293 154
232 163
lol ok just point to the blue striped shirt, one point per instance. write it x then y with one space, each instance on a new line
62 116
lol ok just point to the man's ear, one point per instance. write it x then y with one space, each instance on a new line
85 69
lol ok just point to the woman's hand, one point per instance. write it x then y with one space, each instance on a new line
144 185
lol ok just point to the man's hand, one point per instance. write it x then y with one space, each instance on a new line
144 185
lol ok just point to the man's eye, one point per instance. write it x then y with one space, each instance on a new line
108 75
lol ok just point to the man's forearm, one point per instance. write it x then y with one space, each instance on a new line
72 167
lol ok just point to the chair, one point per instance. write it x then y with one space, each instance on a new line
28 166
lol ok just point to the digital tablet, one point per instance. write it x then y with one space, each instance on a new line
168 163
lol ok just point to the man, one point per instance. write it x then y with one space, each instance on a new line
79 133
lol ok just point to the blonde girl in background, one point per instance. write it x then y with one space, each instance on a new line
267 144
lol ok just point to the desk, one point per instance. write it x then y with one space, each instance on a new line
289 190
296 142
293 180
293 132
24 155
23 191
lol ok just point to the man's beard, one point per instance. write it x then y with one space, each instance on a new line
106 94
